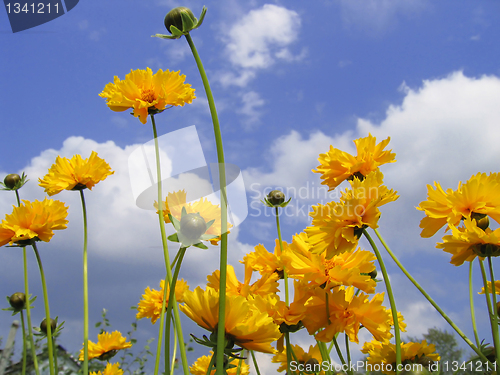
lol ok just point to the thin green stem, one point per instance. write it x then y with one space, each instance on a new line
47 310
172 367
222 183
23 328
348 353
185 366
494 315
432 302
339 352
471 303
325 353
85 290
285 274
288 352
28 313
391 299
18 199
255 363
211 365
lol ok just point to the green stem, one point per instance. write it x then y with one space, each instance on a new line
172 367
471 303
432 302
23 328
339 352
28 313
494 315
185 366
85 290
210 365
348 354
285 275
47 310
391 299
18 199
255 362
222 183
288 352
325 353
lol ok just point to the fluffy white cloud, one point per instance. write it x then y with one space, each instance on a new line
251 102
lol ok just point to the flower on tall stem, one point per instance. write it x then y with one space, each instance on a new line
107 345
75 174
33 221
152 300
337 166
478 198
147 93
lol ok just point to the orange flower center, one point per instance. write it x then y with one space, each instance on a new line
148 95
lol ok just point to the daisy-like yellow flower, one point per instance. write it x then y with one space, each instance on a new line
33 221
152 300
468 242
107 345
111 369
349 268
147 93
337 166
497 287
267 284
265 262
477 197
383 354
175 202
245 324
75 174
200 367
304 359
336 227
347 313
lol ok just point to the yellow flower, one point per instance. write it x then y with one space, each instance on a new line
33 220
480 195
497 288
107 345
200 367
175 202
383 355
265 262
337 166
152 300
470 241
75 174
265 285
347 313
147 93
336 227
245 325
111 369
349 268
303 359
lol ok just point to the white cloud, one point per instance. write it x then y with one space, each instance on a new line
251 102
258 40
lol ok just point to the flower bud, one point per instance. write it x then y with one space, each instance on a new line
276 197
17 300
482 220
11 180
53 326
174 18
373 274
193 226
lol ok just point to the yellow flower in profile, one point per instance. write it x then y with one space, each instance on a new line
33 221
468 242
175 202
303 358
200 367
348 313
382 355
152 300
265 262
480 195
336 227
147 93
107 346
337 166
267 284
111 369
75 174
245 325
497 287
349 268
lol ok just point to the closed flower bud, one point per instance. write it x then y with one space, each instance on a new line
17 300
11 180
373 274
276 197
174 18
193 226
53 326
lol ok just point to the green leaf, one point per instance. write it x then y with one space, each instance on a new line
200 246
174 238
187 22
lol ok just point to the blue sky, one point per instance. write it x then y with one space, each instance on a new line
289 79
